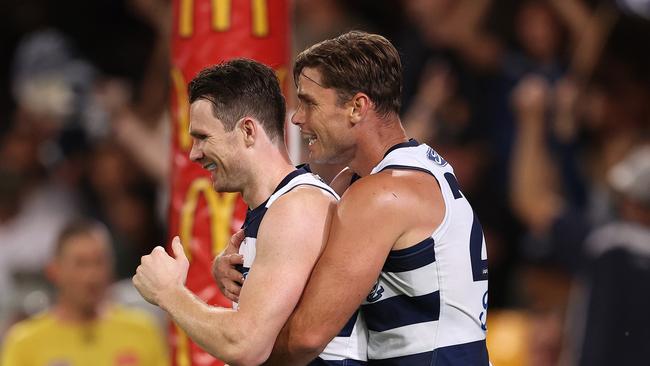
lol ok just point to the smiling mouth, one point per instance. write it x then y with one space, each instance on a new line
210 166
310 139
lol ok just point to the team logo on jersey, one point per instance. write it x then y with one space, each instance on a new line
375 293
436 158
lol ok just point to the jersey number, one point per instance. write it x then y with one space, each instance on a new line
476 242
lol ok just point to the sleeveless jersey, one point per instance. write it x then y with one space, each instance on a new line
350 346
429 305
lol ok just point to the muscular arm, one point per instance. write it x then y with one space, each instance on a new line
369 220
290 239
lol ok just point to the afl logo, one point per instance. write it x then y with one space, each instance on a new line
435 157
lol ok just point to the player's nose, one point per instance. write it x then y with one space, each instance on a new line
298 117
195 153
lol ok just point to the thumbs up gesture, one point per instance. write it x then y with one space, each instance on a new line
158 272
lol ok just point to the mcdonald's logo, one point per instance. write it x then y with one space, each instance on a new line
179 90
220 206
221 17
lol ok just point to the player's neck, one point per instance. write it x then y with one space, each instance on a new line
266 174
373 144
68 312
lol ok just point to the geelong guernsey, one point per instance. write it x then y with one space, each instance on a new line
350 346
429 305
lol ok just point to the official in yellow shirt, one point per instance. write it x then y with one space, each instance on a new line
81 329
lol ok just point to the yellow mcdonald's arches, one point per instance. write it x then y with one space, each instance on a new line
179 87
221 16
221 208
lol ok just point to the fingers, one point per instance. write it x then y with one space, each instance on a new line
177 248
139 282
234 288
234 243
228 278
223 263
223 268
231 295
235 276
237 239
234 259
231 288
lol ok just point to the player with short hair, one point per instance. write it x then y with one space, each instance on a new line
404 243
237 115
81 328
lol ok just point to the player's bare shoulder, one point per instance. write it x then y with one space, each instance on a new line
390 184
303 203
406 198
415 185
375 194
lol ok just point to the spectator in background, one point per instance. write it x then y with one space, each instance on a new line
87 91
30 217
610 319
560 205
81 328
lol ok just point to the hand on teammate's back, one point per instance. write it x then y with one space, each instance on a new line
228 278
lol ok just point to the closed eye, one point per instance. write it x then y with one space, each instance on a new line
306 100
198 136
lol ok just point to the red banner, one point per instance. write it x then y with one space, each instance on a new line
206 32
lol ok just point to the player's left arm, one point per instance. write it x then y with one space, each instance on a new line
289 241
369 219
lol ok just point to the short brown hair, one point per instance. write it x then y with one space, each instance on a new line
357 62
78 227
239 88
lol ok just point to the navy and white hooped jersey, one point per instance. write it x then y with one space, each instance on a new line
350 346
429 305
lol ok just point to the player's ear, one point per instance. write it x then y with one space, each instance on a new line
248 129
360 104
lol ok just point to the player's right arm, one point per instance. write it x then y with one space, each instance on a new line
289 241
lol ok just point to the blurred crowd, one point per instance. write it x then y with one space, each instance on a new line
541 106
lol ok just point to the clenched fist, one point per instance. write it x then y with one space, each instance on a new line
158 272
